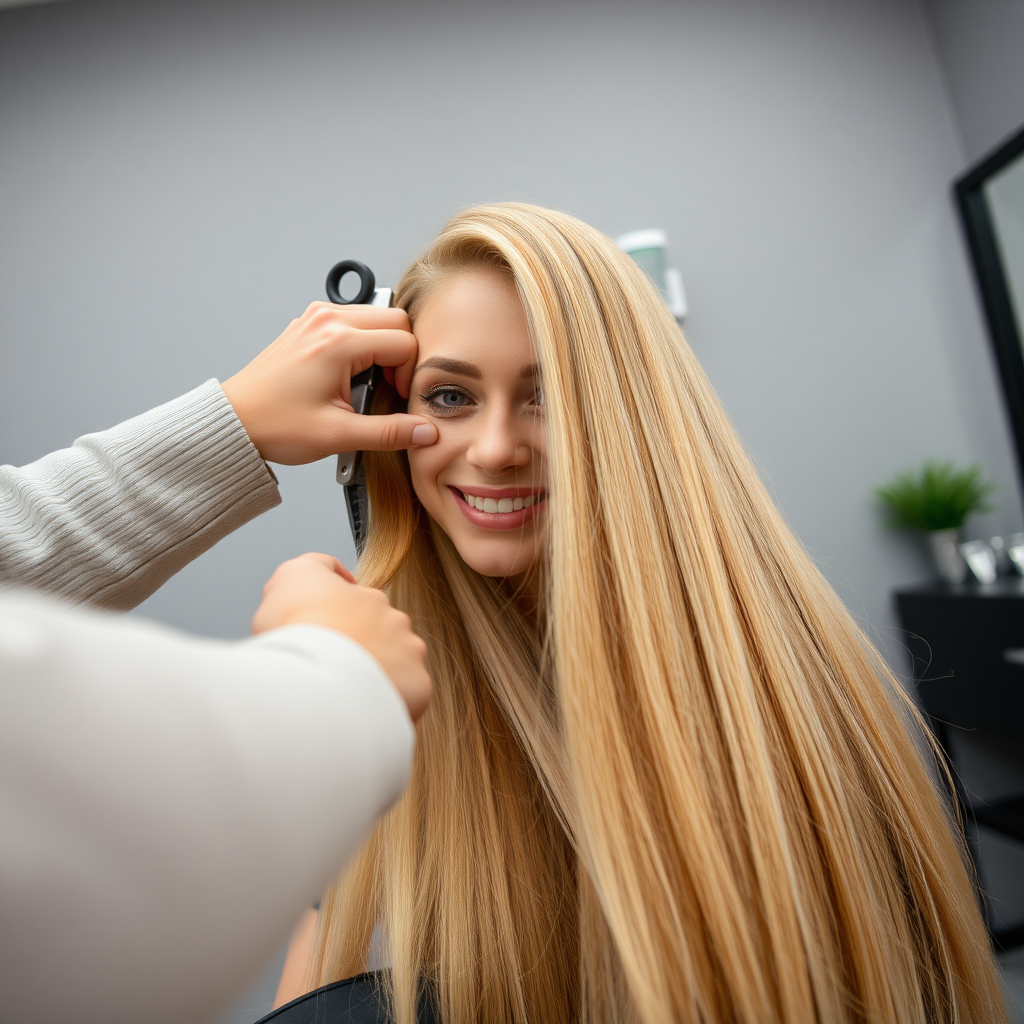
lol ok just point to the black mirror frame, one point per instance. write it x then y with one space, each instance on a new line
993 286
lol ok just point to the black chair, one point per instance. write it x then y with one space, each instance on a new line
358 1000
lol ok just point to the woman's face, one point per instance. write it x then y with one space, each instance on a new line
483 481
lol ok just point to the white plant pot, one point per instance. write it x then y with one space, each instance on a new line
944 545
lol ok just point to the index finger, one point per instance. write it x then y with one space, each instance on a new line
364 317
386 348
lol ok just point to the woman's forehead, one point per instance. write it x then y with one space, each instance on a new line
475 317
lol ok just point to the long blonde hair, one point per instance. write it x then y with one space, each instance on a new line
689 792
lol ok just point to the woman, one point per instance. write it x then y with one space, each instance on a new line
664 777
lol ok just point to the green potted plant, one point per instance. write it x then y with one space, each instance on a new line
937 499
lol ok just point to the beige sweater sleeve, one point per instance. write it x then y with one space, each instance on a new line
107 521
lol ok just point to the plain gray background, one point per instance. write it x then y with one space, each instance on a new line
177 177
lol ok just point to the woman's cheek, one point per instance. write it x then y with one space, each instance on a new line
425 465
416 472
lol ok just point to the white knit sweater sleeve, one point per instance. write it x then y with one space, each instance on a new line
109 520
169 805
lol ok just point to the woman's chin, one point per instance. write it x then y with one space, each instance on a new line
499 554
498 564
513 570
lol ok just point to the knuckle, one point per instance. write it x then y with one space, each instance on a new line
389 435
318 313
325 313
339 327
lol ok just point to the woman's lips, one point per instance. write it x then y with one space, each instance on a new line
502 520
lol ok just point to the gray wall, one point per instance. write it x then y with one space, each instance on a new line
981 44
177 177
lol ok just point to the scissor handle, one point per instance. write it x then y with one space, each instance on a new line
367 282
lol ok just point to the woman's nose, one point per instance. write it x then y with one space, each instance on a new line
498 446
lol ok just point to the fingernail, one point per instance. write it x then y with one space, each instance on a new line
425 433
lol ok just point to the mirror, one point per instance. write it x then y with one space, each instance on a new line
991 200
1005 194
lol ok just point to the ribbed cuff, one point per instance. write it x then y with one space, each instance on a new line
194 457
111 518
195 448
188 476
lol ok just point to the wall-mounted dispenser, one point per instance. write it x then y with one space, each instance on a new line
648 249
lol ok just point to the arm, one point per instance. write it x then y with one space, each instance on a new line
109 520
157 841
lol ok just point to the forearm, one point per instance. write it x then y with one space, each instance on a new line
174 830
109 520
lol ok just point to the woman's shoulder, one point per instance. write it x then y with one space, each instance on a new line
361 999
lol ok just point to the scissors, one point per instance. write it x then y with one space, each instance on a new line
364 385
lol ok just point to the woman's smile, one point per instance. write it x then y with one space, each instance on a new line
503 508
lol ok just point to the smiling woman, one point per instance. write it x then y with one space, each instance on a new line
483 481
664 776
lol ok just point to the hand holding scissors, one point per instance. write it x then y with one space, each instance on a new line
297 399
364 385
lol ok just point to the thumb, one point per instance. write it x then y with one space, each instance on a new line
386 433
329 562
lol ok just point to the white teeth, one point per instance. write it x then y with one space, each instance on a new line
503 505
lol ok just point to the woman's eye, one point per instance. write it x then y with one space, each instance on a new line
446 400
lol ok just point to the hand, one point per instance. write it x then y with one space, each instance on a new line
317 590
293 398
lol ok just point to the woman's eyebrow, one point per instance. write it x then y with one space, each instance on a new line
459 366
530 370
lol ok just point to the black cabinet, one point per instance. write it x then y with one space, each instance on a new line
967 645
